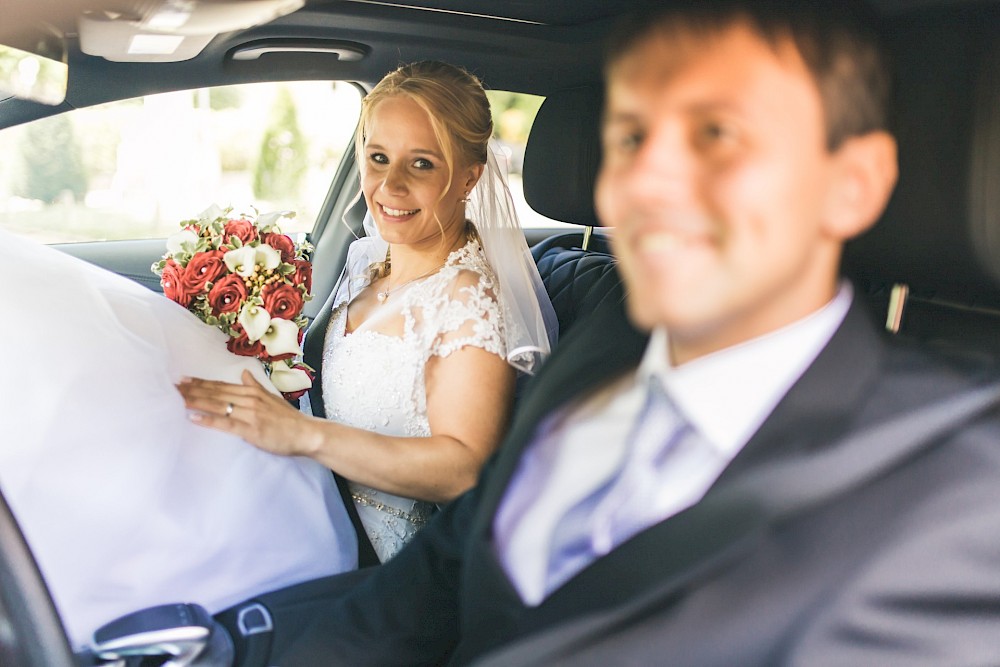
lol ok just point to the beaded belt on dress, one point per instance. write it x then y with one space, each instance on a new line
417 518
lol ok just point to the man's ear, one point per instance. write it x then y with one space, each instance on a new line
865 175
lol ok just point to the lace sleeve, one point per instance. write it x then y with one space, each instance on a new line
468 315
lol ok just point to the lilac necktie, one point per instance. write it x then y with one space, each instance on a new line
618 509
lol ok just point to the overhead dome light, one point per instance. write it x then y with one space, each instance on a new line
194 17
158 45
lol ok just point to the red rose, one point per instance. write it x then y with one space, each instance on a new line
227 295
241 229
303 274
282 243
242 346
281 300
172 280
203 268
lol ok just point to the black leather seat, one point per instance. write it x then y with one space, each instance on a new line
937 247
577 280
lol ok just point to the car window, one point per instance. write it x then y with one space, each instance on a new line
134 169
513 115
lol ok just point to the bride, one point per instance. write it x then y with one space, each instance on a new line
439 307
125 504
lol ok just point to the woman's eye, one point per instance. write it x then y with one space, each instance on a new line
422 163
378 158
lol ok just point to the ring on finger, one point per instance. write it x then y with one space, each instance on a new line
229 409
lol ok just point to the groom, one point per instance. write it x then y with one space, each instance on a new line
694 478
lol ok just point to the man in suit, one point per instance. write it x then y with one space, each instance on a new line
731 466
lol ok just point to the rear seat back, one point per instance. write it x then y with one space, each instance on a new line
577 280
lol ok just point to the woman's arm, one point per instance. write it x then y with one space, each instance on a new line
469 394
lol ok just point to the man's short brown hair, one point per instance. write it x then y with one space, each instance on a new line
838 40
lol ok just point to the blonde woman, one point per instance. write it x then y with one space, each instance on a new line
438 309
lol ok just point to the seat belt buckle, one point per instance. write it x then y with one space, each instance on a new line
254 619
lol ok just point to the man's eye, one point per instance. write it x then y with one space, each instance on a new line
625 142
422 163
378 158
717 131
631 141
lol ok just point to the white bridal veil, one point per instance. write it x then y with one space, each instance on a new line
531 327
124 502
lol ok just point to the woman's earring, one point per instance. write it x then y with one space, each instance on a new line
465 199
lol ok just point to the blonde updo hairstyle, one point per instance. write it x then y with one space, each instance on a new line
458 109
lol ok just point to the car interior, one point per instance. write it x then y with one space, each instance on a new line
930 268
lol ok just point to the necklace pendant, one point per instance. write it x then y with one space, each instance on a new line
381 296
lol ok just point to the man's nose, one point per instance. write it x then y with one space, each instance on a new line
665 167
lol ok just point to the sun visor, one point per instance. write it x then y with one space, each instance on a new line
172 31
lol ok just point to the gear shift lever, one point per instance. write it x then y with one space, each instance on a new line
186 633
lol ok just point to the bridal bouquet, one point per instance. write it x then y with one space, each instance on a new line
241 274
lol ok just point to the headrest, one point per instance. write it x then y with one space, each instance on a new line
940 234
562 156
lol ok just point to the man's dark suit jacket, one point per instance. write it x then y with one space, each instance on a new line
901 568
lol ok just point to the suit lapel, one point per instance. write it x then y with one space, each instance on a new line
601 347
817 410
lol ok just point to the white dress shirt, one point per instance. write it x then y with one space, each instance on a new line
726 396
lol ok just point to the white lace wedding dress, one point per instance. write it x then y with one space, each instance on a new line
375 380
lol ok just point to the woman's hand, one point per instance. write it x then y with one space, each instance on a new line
250 411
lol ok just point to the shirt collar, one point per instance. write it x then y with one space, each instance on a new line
728 394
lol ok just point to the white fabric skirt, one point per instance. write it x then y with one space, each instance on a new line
124 502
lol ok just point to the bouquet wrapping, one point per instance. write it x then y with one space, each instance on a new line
241 274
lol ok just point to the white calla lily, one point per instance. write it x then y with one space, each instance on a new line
266 221
176 242
281 337
241 261
287 379
211 213
267 257
255 321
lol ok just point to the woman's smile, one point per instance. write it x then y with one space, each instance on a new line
398 213
390 214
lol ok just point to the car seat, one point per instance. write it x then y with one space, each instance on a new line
932 263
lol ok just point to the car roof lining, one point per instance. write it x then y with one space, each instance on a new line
571 36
